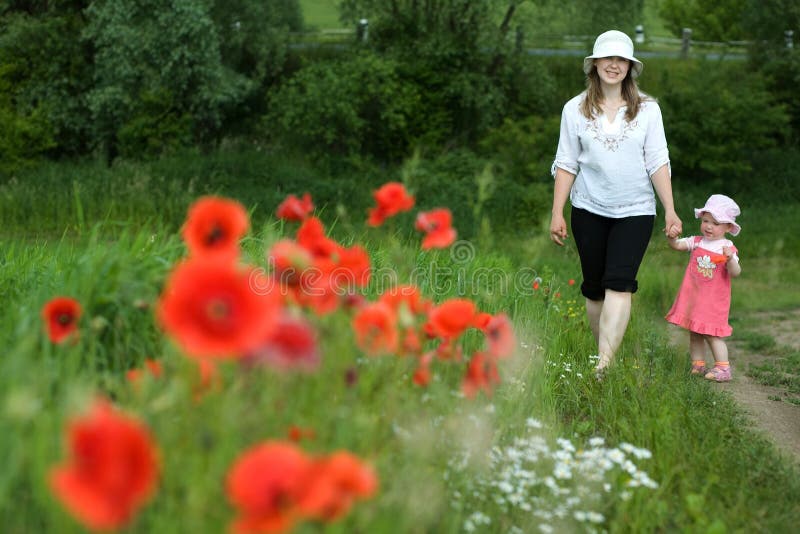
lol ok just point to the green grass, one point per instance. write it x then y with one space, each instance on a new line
432 449
320 14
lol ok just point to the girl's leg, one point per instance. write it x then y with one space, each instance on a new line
612 325
697 350
722 368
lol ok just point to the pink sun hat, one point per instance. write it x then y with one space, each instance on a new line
723 209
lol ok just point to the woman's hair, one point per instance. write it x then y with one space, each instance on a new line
594 95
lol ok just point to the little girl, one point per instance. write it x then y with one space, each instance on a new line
704 299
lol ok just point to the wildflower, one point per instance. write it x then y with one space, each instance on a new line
210 309
571 281
500 336
311 236
61 315
375 326
292 344
437 226
214 226
296 433
336 481
452 317
422 375
111 471
265 485
391 199
152 366
294 209
481 375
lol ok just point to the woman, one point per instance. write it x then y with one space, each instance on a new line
612 153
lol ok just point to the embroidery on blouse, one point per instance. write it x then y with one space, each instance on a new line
611 141
705 266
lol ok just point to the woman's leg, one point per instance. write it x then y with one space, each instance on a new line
593 310
613 323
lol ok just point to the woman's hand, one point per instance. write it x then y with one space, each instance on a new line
673 227
558 229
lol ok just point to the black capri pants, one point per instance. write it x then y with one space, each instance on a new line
611 250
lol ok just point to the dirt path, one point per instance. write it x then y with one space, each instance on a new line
778 420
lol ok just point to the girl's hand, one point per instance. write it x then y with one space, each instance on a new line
727 252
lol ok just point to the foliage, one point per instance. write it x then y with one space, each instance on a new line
360 105
710 20
710 132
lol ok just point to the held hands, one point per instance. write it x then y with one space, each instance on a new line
673 226
558 229
728 253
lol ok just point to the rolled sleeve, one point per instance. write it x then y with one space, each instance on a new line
568 145
656 153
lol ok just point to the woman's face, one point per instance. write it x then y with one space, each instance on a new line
612 70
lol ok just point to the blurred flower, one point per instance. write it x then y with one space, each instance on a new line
292 344
296 433
391 199
452 317
294 209
336 481
571 282
209 308
214 226
375 327
111 471
265 484
500 336
61 315
437 226
481 375
152 366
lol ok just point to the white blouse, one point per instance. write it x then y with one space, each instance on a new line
612 161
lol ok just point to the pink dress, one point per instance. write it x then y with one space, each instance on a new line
704 299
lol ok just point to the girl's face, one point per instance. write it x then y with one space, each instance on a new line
711 229
612 70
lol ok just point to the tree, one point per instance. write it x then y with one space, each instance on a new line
710 20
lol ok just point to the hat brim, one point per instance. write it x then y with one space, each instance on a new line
735 228
636 65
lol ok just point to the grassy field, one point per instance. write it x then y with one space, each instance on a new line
320 14
646 450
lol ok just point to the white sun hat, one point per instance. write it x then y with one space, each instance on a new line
613 43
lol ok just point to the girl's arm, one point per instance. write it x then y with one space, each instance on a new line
734 269
677 244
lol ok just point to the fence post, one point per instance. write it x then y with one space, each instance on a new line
639 34
686 42
362 30
788 37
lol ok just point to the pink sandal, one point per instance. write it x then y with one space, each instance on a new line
700 369
719 374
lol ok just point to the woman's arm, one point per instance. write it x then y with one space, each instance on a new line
662 182
558 225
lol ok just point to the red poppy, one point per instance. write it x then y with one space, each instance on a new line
452 317
391 198
296 433
481 375
291 345
437 225
111 471
422 375
311 236
151 366
406 299
571 282
207 378
265 484
335 482
210 308
500 336
535 285
294 209
375 327
61 315
214 226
